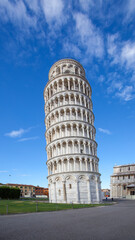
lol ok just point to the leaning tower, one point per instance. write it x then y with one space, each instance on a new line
72 162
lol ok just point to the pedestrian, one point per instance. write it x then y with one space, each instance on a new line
106 198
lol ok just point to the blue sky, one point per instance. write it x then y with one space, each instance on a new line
36 33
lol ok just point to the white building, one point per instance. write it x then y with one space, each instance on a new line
123 181
70 134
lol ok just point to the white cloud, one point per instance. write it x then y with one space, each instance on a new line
34 5
88 36
16 133
121 52
17 13
86 4
127 93
114 86
104 131
24 175
101 79
69 47
3 171
53 11
28 139
122 55
128 54
129 9
113 48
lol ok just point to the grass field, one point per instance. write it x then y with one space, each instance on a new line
29 206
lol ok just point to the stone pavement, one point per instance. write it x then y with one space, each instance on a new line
99 223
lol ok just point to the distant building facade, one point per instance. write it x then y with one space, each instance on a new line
123 181
41 192
30 190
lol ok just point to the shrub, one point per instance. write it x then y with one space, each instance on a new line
9 192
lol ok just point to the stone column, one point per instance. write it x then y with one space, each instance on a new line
68 165
84 148
86 164
74 83
73 147
86 116
77 191
83 130
97 190
79 86
77 129
55 195
83 88
80 164
66 130
79 146
74 165
80 100
91 165
75 99
68 84
84 102
62 85
64 192
87 132
58 167
53 168
89 191
81 115
62 165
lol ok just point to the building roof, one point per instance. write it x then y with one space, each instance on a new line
125 165
123 173
24 185
13 184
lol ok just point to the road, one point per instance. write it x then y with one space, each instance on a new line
99 223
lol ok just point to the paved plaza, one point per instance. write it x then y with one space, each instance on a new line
100 223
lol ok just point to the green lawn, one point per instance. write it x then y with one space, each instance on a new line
28 206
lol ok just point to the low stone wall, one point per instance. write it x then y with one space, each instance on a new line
132 197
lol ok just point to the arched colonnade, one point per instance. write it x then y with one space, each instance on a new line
64 84
68 99
70 130
69 113
72 164
68 146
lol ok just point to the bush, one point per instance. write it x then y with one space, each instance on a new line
9 192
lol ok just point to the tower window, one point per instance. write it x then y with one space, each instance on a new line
129 177
128 168
70 186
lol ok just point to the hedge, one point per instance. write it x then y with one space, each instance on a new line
9 192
